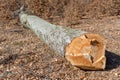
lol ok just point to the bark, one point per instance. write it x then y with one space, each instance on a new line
82 49
57 37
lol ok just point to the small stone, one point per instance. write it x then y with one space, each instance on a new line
116 74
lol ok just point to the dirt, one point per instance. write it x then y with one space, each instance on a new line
23 56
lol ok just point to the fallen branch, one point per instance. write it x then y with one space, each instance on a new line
82 49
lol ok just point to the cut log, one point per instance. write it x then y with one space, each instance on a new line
82 49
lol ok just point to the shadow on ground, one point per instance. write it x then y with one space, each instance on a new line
113 60
13 57
9 59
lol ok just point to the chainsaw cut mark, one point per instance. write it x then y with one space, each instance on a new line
86 50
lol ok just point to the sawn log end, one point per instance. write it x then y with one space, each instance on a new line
87 52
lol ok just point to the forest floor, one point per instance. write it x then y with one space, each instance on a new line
23 56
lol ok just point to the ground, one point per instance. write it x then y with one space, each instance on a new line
23 56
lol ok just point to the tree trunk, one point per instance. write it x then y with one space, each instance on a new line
82 49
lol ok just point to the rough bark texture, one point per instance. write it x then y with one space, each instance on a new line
55 36
82 49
